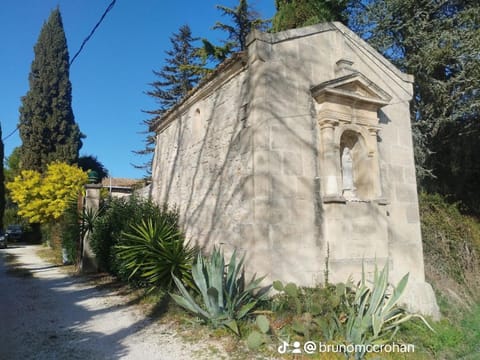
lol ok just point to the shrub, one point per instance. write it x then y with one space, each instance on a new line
374 317
70 225
154 251
116 218
451 243
311 311
10 217
341 313
225 294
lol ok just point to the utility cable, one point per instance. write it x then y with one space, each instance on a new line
107 10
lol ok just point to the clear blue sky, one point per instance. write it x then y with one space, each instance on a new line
112 73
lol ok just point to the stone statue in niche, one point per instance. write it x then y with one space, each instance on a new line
348 187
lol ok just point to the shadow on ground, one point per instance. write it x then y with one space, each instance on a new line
49 315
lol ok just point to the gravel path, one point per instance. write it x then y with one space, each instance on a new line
46 314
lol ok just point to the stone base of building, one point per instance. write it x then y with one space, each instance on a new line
419 298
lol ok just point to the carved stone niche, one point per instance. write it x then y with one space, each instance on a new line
347 114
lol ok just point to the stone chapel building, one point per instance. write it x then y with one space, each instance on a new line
297 151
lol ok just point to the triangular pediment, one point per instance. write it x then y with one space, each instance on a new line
355 86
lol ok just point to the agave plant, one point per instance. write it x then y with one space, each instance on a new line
154 252
374 316
226 295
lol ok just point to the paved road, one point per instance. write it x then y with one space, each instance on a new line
46 314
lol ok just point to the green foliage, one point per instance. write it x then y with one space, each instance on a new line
257 338
180 74
216 54
451 243
155 250
75 224
12 164
373 317
47 126
293 14
91 163
116 218
226 295
312 312
11 217
71 228
342 313
243 20
176 78
52 237
439 43
2 182
41 199
454 337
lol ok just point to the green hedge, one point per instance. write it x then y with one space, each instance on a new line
116 218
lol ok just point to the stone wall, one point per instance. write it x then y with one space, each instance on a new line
203 163
253 160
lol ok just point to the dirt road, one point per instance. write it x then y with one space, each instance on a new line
46 314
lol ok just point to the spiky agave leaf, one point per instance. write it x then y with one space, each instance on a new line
226 295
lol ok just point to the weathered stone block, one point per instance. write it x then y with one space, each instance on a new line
396 173
413 216
292 164
405 193
284 138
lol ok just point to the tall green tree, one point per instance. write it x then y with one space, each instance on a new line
47 126
175 79
244 19
12 164
293 14
91 163
2 181
178 76
439 43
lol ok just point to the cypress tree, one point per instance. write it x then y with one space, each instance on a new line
47 126
2 181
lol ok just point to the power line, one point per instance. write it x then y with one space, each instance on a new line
107 10
13 132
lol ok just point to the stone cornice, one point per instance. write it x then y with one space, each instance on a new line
373 93
222 74
353 38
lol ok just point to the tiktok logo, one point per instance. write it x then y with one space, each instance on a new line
282 349
310 347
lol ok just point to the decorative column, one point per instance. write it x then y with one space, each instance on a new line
375 167
330 158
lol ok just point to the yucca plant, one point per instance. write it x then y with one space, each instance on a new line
155 251
374 317
226 295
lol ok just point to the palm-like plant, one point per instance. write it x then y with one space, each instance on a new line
226 295
374 317
155 251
